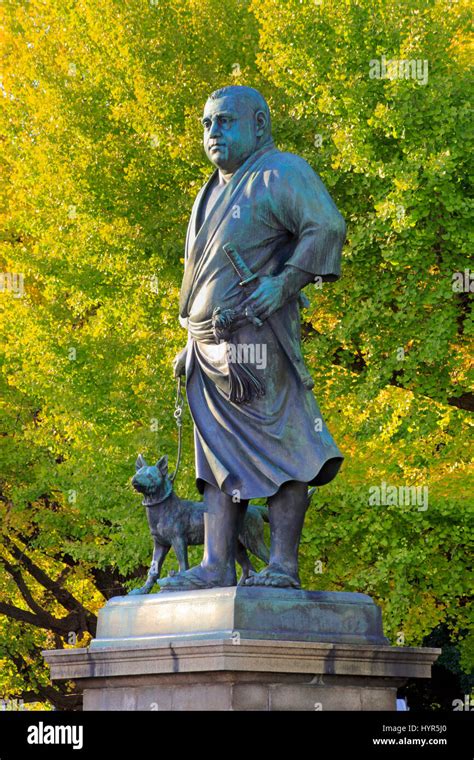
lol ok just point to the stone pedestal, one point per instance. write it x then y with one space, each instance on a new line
241 649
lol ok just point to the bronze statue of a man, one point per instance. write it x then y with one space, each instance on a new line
261 228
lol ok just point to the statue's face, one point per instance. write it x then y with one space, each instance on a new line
230 132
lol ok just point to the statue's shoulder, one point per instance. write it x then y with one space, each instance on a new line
282 165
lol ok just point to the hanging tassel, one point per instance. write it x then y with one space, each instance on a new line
243 384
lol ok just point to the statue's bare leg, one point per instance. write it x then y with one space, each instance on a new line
222 522
287 509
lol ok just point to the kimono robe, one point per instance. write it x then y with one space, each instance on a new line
276 212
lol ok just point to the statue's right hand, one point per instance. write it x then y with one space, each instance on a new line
179 362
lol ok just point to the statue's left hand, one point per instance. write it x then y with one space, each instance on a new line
179 362
268 297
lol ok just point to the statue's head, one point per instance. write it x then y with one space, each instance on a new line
236 123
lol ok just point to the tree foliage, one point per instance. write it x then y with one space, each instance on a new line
101 162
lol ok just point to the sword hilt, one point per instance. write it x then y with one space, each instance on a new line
247 280
245 273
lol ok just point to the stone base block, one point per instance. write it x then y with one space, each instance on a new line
239 612
240 649
250 675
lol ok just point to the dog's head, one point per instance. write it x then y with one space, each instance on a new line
152 480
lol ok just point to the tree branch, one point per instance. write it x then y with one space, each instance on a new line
59 696
63 596
63 701
45 620
24 590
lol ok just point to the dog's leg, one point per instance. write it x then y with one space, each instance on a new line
181 550
244 561
159 555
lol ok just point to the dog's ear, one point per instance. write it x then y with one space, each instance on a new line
141 462
162 465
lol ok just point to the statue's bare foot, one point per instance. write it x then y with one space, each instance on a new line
274 575
198 577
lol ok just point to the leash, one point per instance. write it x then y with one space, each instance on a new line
178 413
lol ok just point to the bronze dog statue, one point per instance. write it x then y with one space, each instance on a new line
177 523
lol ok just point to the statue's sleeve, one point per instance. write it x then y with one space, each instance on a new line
300 202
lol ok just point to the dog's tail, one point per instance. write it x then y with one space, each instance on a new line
262 509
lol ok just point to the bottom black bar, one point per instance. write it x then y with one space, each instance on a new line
91 734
